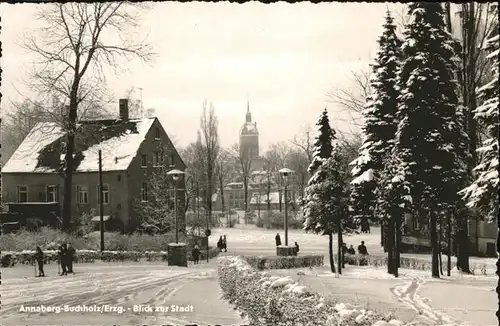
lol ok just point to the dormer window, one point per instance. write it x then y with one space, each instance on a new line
157 133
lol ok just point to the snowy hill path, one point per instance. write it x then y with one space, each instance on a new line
116 285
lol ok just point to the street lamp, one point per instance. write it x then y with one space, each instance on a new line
176 174
285 173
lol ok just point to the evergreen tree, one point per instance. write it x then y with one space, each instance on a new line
393 200
322 146
428 136
380 125
326 205
483 192
317 190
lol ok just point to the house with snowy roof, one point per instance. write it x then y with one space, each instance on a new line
131 150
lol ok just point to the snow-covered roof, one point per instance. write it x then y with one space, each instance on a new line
41 151
273 198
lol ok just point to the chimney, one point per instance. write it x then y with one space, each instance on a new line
123 106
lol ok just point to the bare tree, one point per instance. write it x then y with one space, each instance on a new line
304 140
223 169
277 155
352 100
156 215
245 167
73 51
209 125
299 162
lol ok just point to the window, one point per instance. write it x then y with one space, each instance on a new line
82 194
144 161
144 192
105 194
172 160
157 133
22 194
52 194
156 158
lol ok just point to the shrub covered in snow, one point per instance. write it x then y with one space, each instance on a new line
271 300
287 262
90 256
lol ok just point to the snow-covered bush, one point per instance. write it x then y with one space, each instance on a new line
90 256
272 300
285 262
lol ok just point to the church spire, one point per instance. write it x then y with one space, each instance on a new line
249 115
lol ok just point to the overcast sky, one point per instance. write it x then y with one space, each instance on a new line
283 57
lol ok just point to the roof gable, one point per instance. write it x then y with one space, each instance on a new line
43 149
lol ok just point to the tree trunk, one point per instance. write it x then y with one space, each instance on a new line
390 245
70 148
434 243
339 241
448 17
245 185
397 247
280 199
498 269
448 265
209 194
440 240
463 242
222 200
330 252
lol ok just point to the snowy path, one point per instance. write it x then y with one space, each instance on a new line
116 286
407 293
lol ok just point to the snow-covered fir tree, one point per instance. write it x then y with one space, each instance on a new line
379 125
322 142
393 200
483 192
327 199
428 137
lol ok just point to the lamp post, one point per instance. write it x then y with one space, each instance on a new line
285 173
176 174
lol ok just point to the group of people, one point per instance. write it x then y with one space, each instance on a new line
222 243
65 253
362 251
350 251
277 238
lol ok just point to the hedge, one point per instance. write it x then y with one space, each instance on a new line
10 258
280 301
284 262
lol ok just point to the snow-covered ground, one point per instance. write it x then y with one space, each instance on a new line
247 239
115 285
412 297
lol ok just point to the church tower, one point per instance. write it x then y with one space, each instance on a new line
249 137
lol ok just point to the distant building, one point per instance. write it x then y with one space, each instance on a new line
483 237
259 184
131 150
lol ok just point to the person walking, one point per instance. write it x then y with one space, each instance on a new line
277 238
224 243
39 257
63 259
196 253
296 248
363 252
71 257
220 243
